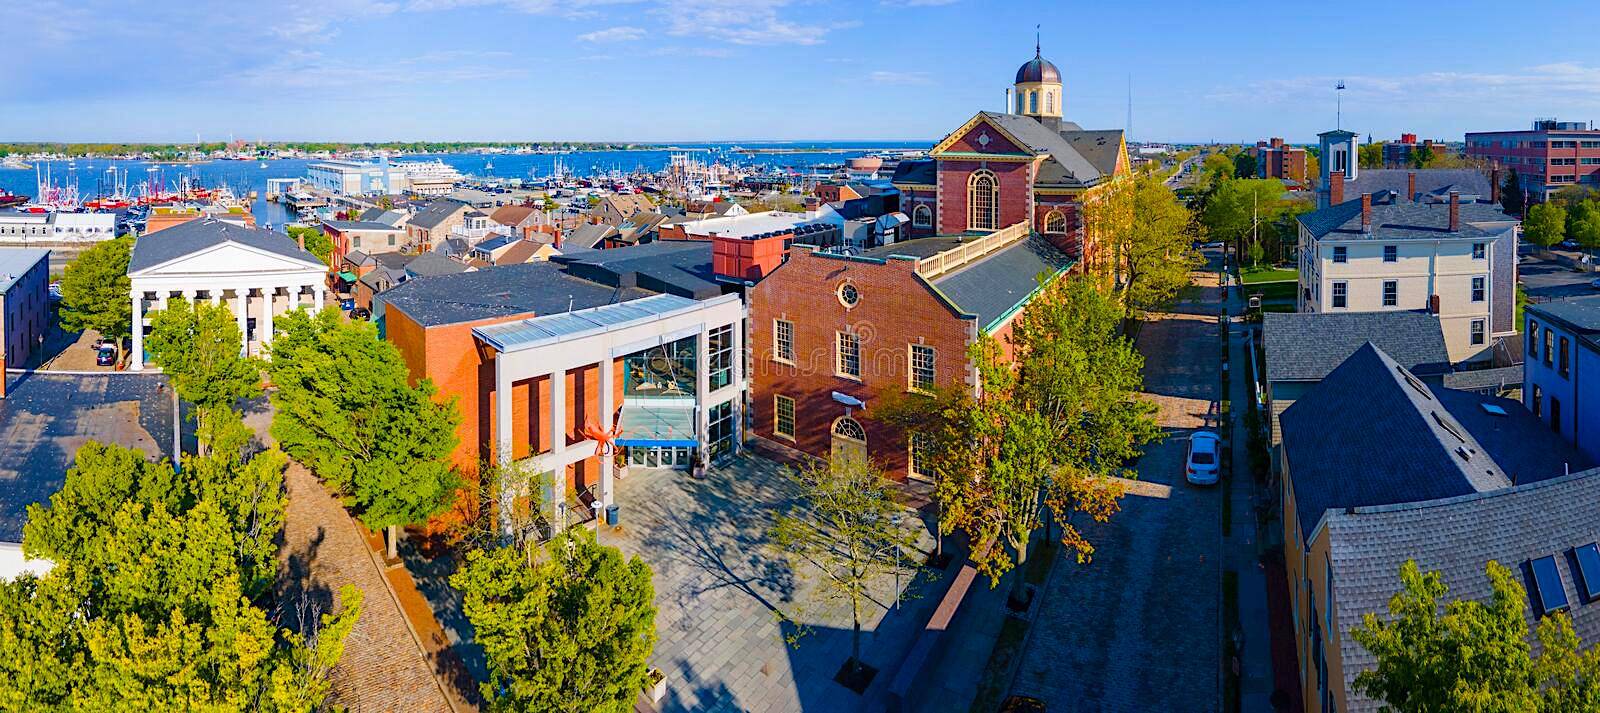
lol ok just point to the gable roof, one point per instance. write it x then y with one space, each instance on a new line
1394 219
357 225
589 235
993 286
431 264
512 215
1372 434
1076 157
1437 182
495 243
437 213
679 267
191 237
1304 346
521 251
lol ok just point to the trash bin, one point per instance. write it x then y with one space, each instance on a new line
611 516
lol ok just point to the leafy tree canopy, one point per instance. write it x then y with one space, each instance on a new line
198 347
95 289
1545 225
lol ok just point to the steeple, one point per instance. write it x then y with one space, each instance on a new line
1038 86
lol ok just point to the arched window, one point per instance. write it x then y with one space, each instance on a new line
850 428
1055 222
1019 102
1033 102
983 201
1049 102
922 217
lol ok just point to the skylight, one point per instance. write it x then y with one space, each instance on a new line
1588 557
1493 409
1415 384
1548 594
1448 426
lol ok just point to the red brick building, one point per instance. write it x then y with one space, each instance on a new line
1548 157
1275 159
1000 169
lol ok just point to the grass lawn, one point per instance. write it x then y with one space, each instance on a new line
1274 291
1253 275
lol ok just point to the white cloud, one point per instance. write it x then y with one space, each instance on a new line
1533 86
614 34
741 22
888 77
919 3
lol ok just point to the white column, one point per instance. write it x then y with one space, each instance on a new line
607 409
264 325
138 333
702 393
191 296
316 291
161 298
558 444
294 297
502 440
239 295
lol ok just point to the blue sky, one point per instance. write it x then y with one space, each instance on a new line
685 70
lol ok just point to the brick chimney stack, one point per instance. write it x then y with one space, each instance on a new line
1494 185
1336 188
301 238
1366 212
1455 211
1411 186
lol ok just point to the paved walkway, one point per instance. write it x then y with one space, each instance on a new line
1138 628
720 591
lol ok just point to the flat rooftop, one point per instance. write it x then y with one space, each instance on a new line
14 262
744 226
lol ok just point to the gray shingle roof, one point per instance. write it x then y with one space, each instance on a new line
1072 167
437 212
1369 434
433 264
196 235
538 288
1308 346
357 225
1433 181
1405 220
1457 537
1578 314
916 171
995 284
676 267
590 235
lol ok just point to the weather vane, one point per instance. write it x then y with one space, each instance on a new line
1338 110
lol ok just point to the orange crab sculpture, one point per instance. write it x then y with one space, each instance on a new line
604 440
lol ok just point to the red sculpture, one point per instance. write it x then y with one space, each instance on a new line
604 440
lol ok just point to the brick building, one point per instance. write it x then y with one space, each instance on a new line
1547 157
1275 159
1399 154
1028 166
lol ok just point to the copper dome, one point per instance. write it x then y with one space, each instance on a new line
1038 69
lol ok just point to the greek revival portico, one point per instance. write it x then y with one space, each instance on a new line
550 346
258 273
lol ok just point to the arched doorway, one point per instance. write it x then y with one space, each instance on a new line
849 439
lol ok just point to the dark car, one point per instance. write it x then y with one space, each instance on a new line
107 356
360 313
1022 704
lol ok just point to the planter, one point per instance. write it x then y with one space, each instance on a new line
655 685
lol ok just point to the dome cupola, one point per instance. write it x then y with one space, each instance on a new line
1038 88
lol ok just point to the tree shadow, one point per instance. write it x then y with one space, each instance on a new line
697 694
300 598
463 662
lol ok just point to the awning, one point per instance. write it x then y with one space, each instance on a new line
667 424
347 276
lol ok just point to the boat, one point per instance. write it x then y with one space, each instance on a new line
11 200
263 164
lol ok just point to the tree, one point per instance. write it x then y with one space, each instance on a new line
1546 224
846 527
571 631
1238 207
345 408
1422 156
1511 198
1476 655
198 347
1256 253
1369 155
1149 235
1583 224
1244 165
317 243
1313 169
95 289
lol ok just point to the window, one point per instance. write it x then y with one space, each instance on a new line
1341 253
720 423
847 361
783 340
1533 339
1477 331
922 217
391 240
720 344
1391 293
847 427
921 367
355 241
1537 407
1561 361
983 201
1033 102
1055 222
783 417
1049 102
920 456
1478 289
1548 593
1555 414
1391 253
849 295
1549 351
1339 290
1477 251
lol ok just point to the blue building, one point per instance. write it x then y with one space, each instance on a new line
1561 377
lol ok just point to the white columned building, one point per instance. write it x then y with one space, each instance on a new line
258 273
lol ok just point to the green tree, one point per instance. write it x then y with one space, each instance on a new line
570 631
95 289
1546 224
317 243
1149 234
847 528
1475 656
1422 156
1239 207
198 347
1244 165
345 407
1369 155
1256 253
1583 224
1511 198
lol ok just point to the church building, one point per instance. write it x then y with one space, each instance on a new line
1027 165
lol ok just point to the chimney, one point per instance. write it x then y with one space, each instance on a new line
1455 211
1336 188
1366 212
1007 109
301 238
1411 186
1494 185
1433 304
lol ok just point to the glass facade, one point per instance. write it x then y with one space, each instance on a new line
720 343
666 371
722 429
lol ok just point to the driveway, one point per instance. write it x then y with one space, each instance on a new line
723 595
46 417
1137 629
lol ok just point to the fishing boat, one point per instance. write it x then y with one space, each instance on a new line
11 200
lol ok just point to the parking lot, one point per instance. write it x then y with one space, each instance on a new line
1546 279
46 417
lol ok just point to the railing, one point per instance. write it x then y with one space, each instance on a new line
968 251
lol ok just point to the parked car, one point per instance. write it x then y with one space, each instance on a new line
1022 704
107 356
1200 467
360 313
55 292
1568 244
1595 283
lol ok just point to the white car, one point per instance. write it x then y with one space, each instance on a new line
1200 465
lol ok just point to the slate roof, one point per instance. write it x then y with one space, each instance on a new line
676 267
196 235
507 290
357 225
1406 220
433 264
590 235
921 171
1309 346
1580 315
1437 182
1077 157
1457 537
993 285
437 212
511 215
1371 434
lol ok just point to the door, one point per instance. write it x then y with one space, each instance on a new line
849 439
